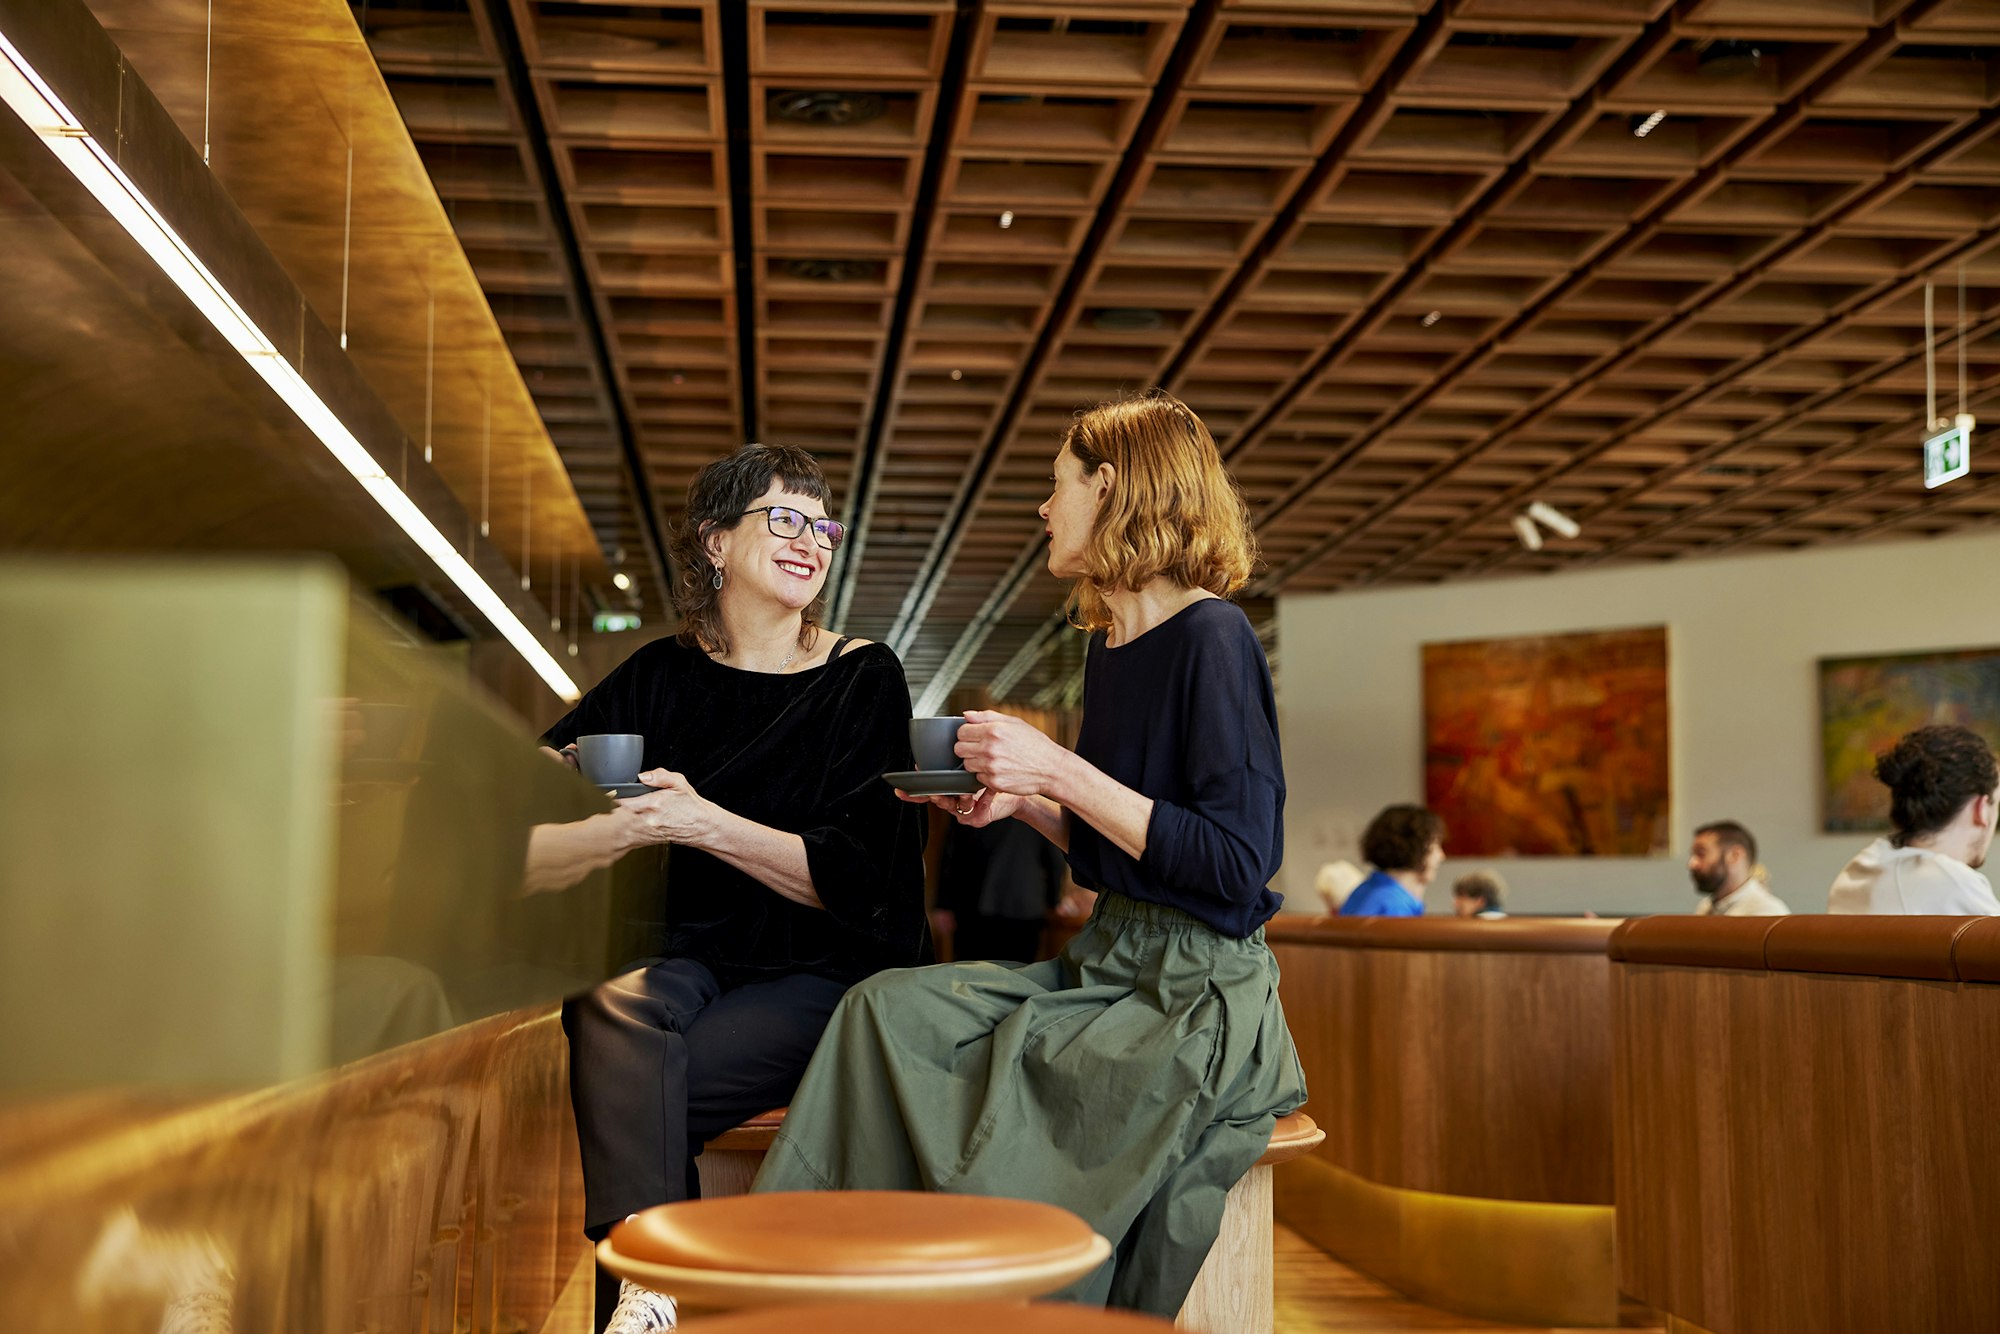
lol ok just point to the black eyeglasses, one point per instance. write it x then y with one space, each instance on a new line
788 523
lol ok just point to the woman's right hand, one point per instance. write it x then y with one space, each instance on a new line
974 812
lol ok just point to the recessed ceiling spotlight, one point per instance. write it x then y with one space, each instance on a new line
822 106
679 378
1127 319
958 375
833 270
1006 218
1531 536
1645 125
1725 57
1432 318
621 581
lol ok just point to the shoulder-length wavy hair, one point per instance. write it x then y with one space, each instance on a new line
719 495
1173 510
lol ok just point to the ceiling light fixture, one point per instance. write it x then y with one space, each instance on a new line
958 375
1531 536
621 581
1553 519
1727 57
43 112
1645 125
824 106
1006 218
1432 318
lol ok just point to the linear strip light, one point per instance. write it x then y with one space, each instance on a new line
43 112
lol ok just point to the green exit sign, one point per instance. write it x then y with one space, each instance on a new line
610 622
1948 454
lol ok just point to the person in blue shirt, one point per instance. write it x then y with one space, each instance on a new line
1405 844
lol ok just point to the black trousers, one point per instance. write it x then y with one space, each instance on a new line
662 1060
1010 939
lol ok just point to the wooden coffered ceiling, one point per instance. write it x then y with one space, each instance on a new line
1409 260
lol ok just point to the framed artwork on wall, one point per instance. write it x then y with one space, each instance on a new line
1550 745
1866 703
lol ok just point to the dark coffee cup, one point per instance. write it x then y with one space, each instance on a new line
931 741
610 758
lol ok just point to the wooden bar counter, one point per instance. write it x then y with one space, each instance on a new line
1462 1073
1802 1111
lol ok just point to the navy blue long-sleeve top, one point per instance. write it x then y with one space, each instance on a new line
1185 714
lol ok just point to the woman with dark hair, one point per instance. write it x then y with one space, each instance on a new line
1944 798
793 871
1480 894
1136 1077
1405 845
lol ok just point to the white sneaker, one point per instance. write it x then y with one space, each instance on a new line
640 1310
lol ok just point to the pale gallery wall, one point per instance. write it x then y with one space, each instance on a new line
1744 638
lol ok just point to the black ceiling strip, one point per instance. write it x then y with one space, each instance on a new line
1361 123
499 17
867 478
1193 36
733 20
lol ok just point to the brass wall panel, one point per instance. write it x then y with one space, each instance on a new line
254 830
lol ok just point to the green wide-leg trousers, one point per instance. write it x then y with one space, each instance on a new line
1132 1081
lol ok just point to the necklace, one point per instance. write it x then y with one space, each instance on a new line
788 659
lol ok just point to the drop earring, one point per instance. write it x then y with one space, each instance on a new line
715 580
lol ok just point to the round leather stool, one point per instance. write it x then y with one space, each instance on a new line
930 1317
851 1245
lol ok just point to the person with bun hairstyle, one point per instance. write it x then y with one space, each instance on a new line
1944 791
1136 1077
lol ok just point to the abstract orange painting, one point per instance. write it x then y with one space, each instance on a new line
1866 703
1549 745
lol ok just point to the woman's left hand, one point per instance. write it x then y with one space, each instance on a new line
673 813
1008 754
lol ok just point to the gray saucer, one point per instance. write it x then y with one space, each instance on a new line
933 782
626 789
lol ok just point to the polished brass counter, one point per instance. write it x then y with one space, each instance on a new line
1461 1070
279 994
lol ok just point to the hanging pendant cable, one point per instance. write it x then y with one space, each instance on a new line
1961 339
575 599
346 237
430 359
486 470
1930 365
207 82
527 525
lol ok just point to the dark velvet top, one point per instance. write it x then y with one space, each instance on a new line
1185 715
803 753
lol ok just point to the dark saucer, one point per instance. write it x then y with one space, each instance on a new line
626 789
933 782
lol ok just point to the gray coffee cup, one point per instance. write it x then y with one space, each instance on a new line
610 758
931 741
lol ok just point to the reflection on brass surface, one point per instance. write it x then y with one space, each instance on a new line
1535 1264
254 830
280 1047
431 1188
